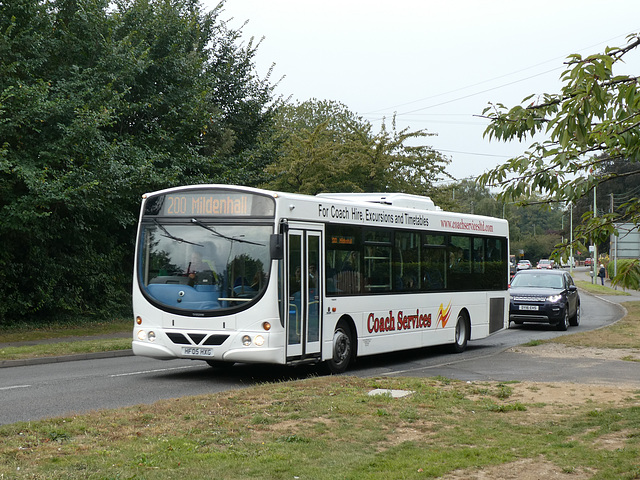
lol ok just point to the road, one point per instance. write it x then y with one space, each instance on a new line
35 392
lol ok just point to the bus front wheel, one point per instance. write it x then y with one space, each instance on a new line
462 334
342 349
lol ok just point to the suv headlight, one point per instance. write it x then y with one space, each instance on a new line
554 298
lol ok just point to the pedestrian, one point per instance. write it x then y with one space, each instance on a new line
602 273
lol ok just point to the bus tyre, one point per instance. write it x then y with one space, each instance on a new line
342 349
462 334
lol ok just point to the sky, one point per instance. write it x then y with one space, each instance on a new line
435 64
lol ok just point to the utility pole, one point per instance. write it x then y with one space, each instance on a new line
571 261
615 241
595 246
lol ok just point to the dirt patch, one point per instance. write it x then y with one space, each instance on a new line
614 441
527 469
558 350
551 393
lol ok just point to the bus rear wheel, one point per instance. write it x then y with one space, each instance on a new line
342 349
462 334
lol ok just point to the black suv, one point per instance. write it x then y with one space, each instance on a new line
544 296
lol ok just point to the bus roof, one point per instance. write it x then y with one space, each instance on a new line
386 209
404 200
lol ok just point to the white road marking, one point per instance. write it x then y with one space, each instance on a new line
15 386
152 371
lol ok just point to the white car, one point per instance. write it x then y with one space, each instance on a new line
523 265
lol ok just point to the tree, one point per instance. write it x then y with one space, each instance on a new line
534 229
325 147
100 102
594 119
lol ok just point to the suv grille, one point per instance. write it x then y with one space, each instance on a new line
529 298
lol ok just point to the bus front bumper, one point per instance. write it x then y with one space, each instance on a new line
146 349
238 355
254 355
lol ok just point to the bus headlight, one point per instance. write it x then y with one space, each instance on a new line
259 340
146 336
246 340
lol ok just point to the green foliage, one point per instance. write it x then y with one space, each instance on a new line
324 147
592 122
100 102
535 227
627 274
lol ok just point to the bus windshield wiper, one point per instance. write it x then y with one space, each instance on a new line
173 237
231 239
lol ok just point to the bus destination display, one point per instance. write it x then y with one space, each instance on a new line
227 204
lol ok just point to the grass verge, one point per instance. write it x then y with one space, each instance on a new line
329 428
599 289
66 339
28 333
64 348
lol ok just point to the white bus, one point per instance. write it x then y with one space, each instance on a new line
229 274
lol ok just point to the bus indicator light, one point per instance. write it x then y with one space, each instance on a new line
266 326
138 320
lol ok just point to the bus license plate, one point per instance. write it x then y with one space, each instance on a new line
528 307
197 351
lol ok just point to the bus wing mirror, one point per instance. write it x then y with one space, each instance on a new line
276 246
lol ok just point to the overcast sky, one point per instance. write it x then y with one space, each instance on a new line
437 64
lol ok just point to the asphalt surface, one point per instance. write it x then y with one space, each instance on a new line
503 366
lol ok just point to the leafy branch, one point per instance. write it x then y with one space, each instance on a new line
594 119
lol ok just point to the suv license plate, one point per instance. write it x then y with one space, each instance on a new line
197 351
528 307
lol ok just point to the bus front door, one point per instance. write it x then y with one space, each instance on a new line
304 283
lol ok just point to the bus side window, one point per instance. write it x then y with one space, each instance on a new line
406 262
479 255
459 266
343 260
434 262
348 274
497 274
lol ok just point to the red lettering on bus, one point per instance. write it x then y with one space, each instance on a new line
381 324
